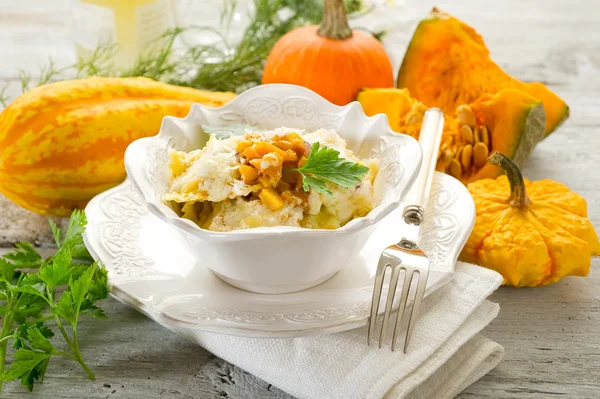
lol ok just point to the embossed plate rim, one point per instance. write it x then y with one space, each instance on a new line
355 319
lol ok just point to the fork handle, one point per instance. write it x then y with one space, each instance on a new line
430 138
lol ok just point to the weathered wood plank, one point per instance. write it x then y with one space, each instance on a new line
550 334
133 357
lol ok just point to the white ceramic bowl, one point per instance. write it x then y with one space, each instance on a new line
277 259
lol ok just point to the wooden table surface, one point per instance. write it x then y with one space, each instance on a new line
551 334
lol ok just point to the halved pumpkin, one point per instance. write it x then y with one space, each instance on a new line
511 122
515 123
447 64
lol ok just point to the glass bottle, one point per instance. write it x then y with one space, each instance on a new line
133 25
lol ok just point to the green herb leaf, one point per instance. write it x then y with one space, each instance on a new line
99 287
39 341
31 309
325 164
74 236
59 270
79 288
98 290
35 289
76 227
28 366
20 337
26 297
88 308
28 312
30 279
45 330
37 373
318 185
64 307
7 271
24 255
21 334
56 232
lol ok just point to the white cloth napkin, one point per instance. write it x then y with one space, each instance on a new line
445 356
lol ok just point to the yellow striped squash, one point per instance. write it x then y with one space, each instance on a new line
63 143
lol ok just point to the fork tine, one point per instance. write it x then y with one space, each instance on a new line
414 313
389 301
402 307
378 285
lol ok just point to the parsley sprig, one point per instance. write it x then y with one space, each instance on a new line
325 164
33 293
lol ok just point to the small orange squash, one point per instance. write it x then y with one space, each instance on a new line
330 59
532 232
63 143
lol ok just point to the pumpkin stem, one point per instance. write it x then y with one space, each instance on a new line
518 195
335 23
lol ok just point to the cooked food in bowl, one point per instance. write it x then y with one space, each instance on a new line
280 177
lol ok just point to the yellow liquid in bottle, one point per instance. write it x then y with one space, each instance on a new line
133 24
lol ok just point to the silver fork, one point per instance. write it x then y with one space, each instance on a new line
406 255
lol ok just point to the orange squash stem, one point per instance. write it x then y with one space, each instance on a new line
335 22
518 194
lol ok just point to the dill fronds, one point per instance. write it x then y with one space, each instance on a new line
219 66
25 79
4 99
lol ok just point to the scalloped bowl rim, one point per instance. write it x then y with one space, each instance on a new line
357 224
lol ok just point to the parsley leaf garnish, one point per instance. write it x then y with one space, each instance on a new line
63 287
325 164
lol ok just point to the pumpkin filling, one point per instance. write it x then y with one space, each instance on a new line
253 180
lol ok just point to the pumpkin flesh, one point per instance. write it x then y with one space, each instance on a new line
513 122
447 64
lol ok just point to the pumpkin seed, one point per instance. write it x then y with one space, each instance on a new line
484 136
447 156
466 156
466 115
444 156
467 133
455 169
414 118
480 154
458 154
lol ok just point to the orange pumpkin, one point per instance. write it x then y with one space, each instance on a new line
330 59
